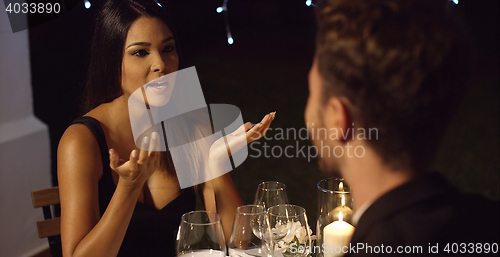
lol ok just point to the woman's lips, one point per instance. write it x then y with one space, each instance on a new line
158 87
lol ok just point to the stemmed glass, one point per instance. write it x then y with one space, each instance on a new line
287 231
247 231
270 193
200 234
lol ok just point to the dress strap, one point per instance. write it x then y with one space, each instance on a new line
93 125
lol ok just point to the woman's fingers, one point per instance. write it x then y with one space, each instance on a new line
247 126
133 160
143 154
148 151
142 162
260 129
254 133
267 123
154 148
113 159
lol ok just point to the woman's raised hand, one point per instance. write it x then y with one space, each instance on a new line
253 132
142 163
260 129
241 137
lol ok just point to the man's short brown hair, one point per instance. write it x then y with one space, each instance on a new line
401 65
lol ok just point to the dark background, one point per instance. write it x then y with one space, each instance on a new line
266 70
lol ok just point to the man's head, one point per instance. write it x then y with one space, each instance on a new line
396 66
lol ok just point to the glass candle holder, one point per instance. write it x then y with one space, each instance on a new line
335 209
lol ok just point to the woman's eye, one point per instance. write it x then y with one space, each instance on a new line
140 53
168 49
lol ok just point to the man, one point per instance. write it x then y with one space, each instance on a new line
395 69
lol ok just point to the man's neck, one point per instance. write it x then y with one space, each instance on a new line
370 179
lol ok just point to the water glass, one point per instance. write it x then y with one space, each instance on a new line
246 237
270 193
287 231
200 235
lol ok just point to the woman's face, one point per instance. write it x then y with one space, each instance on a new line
149 53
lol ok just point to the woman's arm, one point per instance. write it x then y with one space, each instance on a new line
79 165
220 194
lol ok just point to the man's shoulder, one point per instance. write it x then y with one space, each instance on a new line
442 216
478 217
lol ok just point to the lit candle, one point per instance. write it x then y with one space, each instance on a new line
343 210
337 235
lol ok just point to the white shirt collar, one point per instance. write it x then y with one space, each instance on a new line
359 212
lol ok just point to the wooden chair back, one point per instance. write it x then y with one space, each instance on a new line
50 227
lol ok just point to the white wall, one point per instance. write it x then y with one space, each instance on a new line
24 147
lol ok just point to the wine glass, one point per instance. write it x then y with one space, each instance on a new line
270 193
287 231
247 231
200 234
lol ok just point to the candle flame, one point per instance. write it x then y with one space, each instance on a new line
341 186
340 216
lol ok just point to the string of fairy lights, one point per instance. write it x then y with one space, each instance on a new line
223 9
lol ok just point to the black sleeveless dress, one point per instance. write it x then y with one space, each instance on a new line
151 232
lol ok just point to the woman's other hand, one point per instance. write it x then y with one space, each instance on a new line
141 165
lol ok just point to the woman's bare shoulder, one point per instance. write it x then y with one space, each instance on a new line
79 136
78 150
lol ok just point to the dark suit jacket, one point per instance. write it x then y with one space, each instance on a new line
427 212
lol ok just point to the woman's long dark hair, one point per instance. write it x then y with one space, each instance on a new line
103 83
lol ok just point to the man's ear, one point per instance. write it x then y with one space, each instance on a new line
338 116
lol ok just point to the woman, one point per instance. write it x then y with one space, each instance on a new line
128 206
